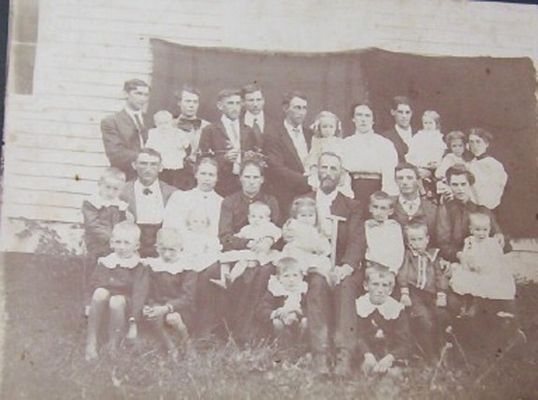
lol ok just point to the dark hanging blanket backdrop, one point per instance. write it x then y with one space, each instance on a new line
497 94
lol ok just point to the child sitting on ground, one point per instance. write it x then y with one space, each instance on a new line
172 143
282 304
171 290
327 138
119 282
384 239
304 239
101 211
199 244
481 273
382 326
259 227
423 286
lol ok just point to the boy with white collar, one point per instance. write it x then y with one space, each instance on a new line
382 323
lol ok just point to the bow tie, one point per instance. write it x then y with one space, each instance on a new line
147 191
189 124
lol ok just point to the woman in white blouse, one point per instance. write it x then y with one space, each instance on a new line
181 203
489 173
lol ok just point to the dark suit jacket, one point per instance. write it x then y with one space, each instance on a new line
121 140
215 139
427 213
286 171
128 195
399 144
269 127
351 239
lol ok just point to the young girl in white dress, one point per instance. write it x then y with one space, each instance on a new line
481 273
327 138
200 245
456 142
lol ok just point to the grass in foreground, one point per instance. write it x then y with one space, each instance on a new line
45 342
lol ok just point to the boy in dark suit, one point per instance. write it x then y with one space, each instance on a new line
147 196
400 135
228 139
125 132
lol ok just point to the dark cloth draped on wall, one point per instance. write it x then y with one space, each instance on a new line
496 94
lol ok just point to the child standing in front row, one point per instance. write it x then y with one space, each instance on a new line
119 283
423 286
171 290
327 138
101 212
172 143
382 326
481 273
384 239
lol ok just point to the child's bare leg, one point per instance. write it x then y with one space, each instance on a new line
117 306
98 303
176 322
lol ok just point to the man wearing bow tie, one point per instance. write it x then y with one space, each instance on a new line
228 139
147 196
287 151
409 206
125 132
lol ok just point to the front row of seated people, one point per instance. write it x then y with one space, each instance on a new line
168 289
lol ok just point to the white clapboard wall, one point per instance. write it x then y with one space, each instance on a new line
87 48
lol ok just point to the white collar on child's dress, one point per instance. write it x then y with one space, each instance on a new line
372 223
157 264
431 253
112 261
276 288
390 309
98 202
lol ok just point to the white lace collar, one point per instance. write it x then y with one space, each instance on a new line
112 261
98 202
277 289
157 264
390 309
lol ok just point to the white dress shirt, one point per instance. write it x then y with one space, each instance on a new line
370 152
405 134
182 203
299 141
385 244
134 115
232 130
250 118
149 205
409 206
323 203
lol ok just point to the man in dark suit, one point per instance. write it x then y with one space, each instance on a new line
254 114
287 150
323 306
124 133
228 140
400 135
409 207
147 197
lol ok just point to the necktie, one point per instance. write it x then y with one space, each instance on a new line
256 128
139 122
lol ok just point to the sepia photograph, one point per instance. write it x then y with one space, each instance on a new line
253 199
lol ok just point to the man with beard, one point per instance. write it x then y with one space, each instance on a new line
339 306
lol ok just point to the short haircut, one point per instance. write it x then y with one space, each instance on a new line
327 114
133 84
286 264
415 226
126 228
113 173
381 196
478 217
453 136
260 205
397 100
250 88
481 133
406 165
301 203
169 237
433 115
329 154
206 160
253 162
186 88
288 97
151 152
162 115
377 269
460 169
225 93
358 104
